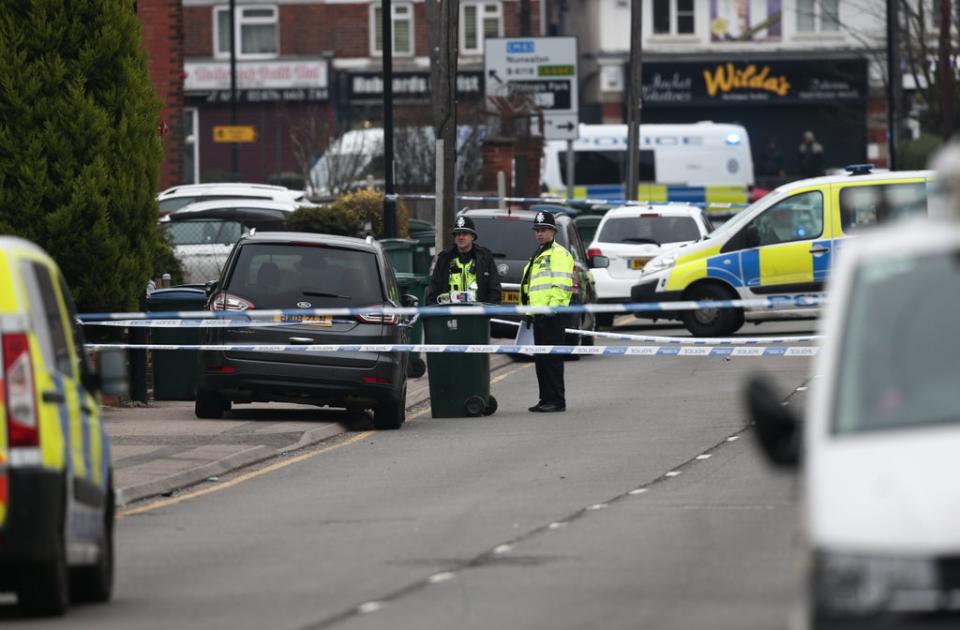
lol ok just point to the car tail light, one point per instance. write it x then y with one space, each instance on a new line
377 318
228 302
594 251
376 380
21 399
649 215
222 369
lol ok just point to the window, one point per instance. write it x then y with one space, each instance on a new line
478 21
47 317
797 218
256 32
814 16
863 206
673 17
191 148
403 33
599 168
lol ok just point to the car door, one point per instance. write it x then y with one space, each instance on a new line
785 249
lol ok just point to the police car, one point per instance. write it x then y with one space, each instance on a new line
780 248
56 491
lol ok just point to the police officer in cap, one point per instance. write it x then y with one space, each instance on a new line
548 281
465 266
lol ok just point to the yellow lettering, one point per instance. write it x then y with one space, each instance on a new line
720 80
726 78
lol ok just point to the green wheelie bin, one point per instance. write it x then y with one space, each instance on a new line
459 382
176 372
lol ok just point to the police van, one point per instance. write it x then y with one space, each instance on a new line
56 489
703 163
780 248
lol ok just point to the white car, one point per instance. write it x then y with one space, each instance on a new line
204 233
880 433
179 196
631 236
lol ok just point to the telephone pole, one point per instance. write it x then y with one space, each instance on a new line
389 203
635 101
442 16
234 157
893 81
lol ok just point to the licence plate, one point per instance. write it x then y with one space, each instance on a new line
638 263
310 320
510 297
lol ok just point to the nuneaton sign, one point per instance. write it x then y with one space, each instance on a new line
833 81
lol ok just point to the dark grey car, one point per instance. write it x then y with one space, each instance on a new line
291 270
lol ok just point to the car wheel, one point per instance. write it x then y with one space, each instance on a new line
604 320
416 367
391 415
44 589
712 322
491 407
209 405
95 584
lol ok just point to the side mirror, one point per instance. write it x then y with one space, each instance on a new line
777 428
112 370
409 300
210 286
598 262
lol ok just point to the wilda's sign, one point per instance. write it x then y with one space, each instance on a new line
754 82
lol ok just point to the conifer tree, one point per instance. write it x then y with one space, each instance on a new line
79 149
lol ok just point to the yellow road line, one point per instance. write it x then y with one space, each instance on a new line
277 465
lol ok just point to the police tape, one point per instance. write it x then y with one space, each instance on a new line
598 201
670 351
692 341
773 303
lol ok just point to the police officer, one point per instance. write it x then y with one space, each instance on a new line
548 281
465 266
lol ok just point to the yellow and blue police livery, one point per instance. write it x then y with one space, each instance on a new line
56 492
780 248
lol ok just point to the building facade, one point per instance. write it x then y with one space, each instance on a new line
779 67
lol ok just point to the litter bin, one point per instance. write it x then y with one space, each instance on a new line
459 382
176 372
412 284
400 252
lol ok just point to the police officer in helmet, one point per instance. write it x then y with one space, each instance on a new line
465 266
548 281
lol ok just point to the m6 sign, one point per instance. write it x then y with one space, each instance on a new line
544 68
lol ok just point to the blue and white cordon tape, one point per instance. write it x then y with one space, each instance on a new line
568 201
770 304
670 351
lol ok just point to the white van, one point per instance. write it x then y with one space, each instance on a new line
700 163
881 432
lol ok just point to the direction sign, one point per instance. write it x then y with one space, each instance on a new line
543 67
234 133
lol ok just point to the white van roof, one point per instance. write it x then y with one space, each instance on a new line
592 136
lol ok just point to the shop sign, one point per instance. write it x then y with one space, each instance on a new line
362 86
755 82
258 81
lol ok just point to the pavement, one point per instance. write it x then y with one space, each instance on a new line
162 447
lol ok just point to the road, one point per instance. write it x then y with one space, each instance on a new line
645 505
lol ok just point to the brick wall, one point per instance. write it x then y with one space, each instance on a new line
161 29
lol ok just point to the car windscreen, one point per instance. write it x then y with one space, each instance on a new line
898 364
645 229
279 275
209 232
599 168
509 238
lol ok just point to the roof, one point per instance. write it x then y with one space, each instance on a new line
847 178
266 190
668 210
265 204
9 243
311 238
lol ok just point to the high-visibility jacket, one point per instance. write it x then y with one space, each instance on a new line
463 277
548 278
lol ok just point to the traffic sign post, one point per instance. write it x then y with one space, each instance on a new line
234 133
544 68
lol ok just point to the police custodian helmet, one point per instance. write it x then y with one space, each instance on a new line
545 219
464 224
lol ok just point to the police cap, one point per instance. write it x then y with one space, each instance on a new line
545 219
464 224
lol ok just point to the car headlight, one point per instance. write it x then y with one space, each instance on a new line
660 263
848 585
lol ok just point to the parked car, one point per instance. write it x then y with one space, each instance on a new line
203 233
509 236
780 248
631 236
879 436
56 490
179 196
291 270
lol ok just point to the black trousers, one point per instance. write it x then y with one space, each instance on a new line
548 331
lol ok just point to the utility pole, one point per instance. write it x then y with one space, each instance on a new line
893 81
525 18
635 101
234 158
442 16
389 203
945 68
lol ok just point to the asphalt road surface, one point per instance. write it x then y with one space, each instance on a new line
645 505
